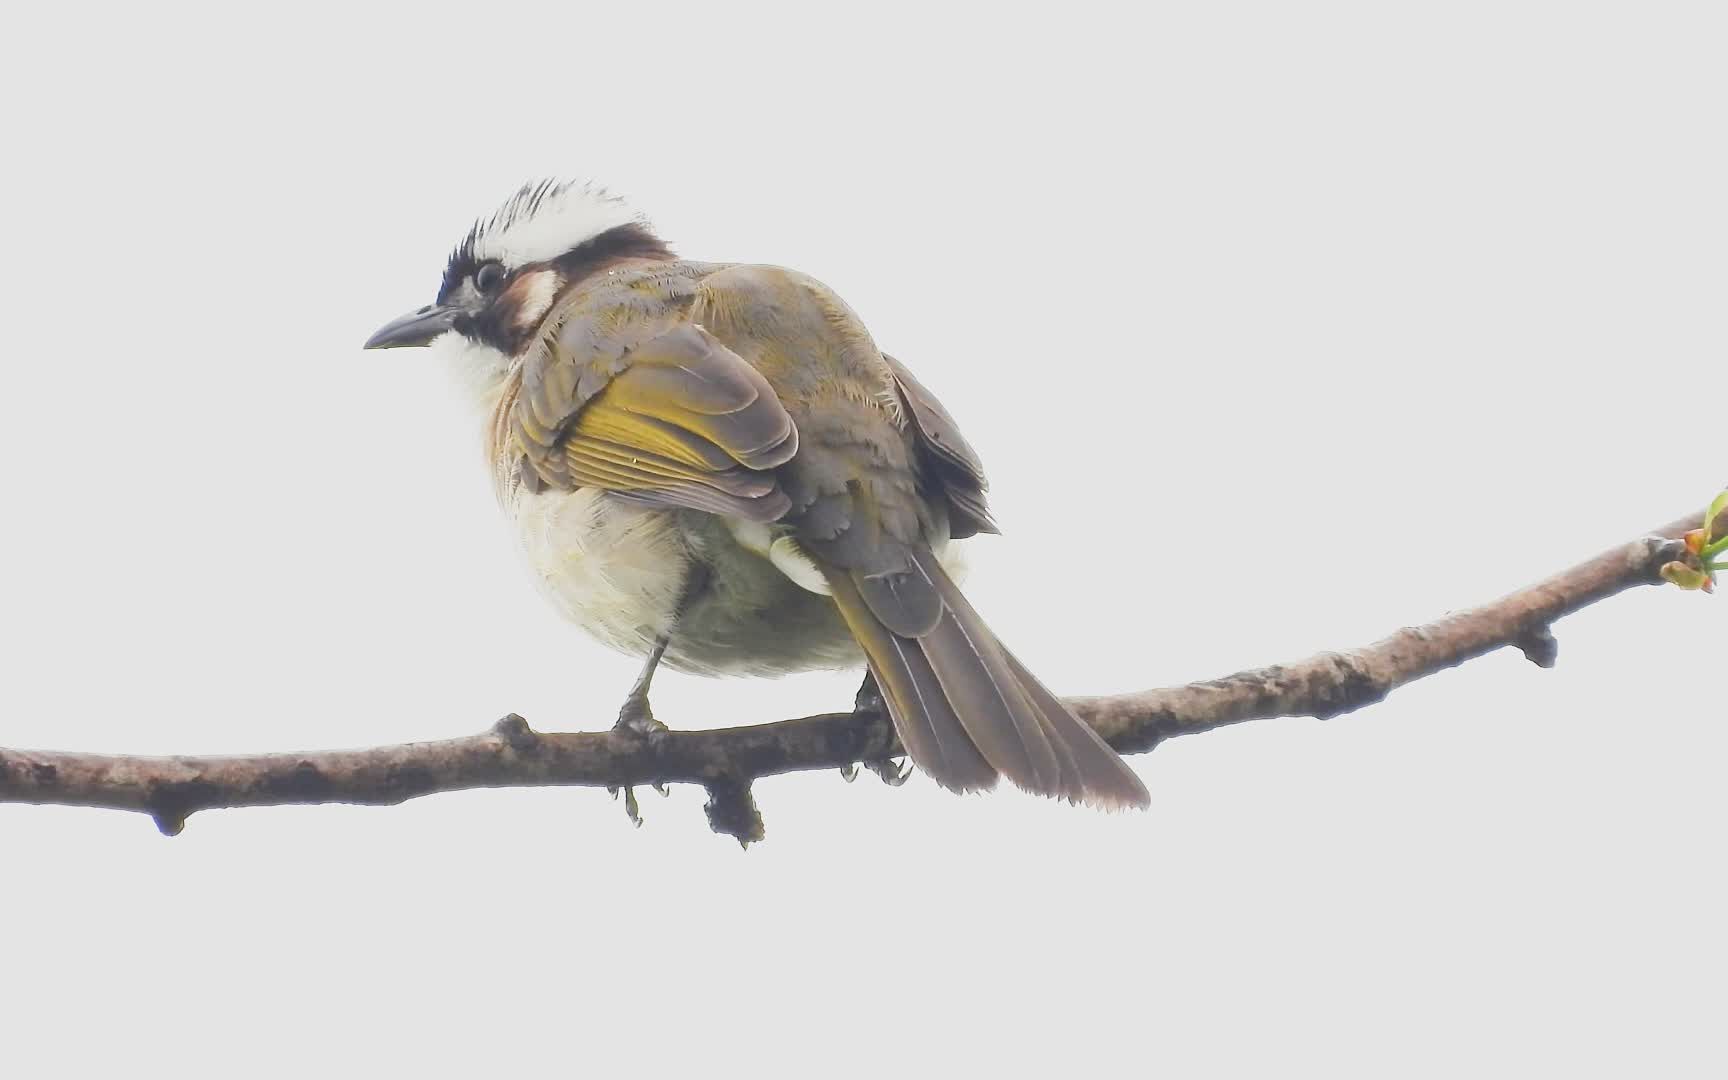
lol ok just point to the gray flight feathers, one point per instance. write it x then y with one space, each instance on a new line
947 455
964 708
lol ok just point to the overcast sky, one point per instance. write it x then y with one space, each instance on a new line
1278 327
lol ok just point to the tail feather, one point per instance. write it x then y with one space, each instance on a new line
922 716
1105 777
986 695
964 707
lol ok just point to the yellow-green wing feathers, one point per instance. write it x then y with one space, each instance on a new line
683 421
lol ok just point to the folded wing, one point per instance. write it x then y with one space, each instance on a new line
682 421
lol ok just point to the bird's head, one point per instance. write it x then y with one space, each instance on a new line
510 268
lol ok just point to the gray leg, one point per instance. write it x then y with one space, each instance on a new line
636 719
869 700
869 697
636 716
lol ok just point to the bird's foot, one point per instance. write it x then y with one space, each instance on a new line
637 719
633 808
891 771
636 722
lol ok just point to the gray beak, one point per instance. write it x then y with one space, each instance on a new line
418 328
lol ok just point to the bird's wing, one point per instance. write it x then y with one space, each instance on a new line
948 458
678 420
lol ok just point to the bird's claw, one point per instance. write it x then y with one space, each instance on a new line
849 772
891 771
632 809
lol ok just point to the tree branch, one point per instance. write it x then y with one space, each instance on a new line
728 760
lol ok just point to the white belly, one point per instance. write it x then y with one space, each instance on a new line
619 572
615 570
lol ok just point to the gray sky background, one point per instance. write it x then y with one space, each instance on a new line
1278 326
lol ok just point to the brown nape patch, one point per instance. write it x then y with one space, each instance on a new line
610 248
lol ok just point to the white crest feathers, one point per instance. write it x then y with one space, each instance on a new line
544 220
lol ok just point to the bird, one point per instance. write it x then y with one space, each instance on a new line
712 466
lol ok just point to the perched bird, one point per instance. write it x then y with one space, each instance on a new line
712 466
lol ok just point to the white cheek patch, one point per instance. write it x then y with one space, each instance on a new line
534 295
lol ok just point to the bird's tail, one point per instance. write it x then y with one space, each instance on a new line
965 709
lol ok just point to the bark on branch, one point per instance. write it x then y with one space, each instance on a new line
727 761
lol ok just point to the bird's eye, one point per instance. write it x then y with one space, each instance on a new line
488 277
